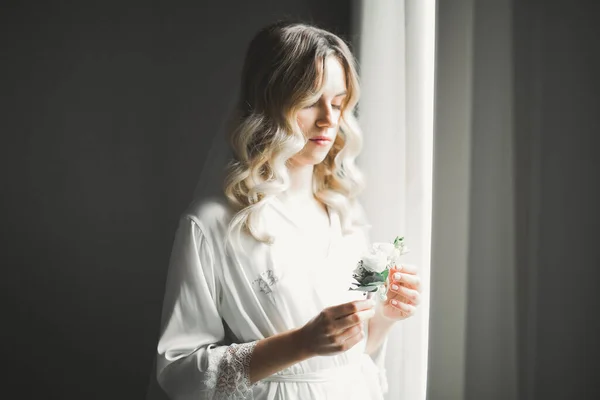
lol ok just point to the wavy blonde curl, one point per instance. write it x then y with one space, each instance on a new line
283 72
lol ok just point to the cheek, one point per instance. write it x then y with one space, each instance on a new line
337 115
304 118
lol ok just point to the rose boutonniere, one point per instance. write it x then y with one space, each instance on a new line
372 270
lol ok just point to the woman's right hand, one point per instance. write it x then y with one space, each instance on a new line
335 329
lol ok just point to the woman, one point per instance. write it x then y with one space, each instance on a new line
257 303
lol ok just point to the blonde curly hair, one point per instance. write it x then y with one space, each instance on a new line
283 72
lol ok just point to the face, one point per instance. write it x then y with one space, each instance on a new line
319 122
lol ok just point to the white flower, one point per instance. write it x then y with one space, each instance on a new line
402 249
378 258
375 262
387 248
382 256
370 273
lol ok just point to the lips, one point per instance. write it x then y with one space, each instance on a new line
321 139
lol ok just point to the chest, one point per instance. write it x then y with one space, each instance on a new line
304 271
308 227
315 233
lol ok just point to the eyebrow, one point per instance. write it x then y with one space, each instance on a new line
341 94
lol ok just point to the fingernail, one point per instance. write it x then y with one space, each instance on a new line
397 276
394 302
394 287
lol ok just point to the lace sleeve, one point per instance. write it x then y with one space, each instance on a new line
197 358
227 377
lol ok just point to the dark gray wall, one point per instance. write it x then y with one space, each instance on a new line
106 111
557 129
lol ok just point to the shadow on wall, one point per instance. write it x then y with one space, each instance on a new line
109 113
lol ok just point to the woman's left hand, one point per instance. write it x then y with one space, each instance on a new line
403 293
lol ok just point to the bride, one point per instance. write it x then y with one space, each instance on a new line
257 304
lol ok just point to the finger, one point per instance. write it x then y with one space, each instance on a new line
406 309
407 269
351 337
412 281
350 332
354 319
352 340
351 307
411 295
399 297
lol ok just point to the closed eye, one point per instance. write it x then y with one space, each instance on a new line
334 106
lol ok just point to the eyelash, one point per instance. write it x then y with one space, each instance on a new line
334 106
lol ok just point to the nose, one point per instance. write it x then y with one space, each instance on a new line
327 118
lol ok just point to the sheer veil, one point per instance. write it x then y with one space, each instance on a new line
210 185
213 173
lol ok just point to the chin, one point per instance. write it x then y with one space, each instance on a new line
311 159
316 159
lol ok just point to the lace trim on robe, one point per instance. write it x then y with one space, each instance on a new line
228 376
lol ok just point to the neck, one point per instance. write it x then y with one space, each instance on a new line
301 181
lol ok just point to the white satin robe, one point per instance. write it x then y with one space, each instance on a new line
218 300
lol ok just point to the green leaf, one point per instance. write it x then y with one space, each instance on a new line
372 278
364 289
398 240
385 274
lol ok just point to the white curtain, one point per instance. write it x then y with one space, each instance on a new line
396 58
474 288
